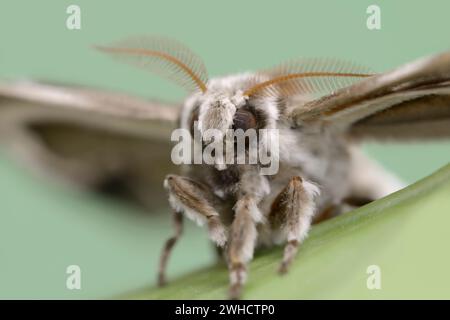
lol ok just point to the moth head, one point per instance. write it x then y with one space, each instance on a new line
246 101
224 114
224 106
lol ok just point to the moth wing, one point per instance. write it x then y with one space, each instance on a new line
101 140
411 102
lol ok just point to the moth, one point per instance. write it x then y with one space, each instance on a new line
321 109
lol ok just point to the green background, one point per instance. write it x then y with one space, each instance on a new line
45 227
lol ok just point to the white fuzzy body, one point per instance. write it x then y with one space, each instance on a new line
319 153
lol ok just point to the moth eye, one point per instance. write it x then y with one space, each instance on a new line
244 119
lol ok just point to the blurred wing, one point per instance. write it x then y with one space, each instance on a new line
411 102
107 141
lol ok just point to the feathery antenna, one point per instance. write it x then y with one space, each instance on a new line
307 76
166 57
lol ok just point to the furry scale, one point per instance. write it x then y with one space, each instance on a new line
319 167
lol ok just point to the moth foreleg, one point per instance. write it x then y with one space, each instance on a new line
292 212
169 244
196 201
242 242
193 199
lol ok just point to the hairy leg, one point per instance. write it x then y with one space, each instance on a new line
193 199
242 243
292 212
243 232
167 249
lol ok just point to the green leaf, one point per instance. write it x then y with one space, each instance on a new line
406 234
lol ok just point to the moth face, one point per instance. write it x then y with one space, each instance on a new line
224 112
224 107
